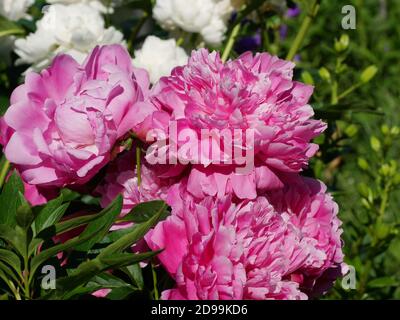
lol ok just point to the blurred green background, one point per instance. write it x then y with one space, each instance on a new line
359 156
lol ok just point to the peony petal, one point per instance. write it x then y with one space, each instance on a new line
21 150
41 175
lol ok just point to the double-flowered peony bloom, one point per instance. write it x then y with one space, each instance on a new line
12 10
63 123
241 227
206 17
15 9
278 246
253 98
73 29
159 57
95 4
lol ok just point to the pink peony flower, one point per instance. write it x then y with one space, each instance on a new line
216 249
102 293
63 123
249 94
314 212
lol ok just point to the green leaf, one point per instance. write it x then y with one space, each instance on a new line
71 224
24 214
4 103
79 291
117 234
124 259
4 297
67 225
107 280
145 211
120 293
384 282
7 234
120 288
69 195
89 200
9 272
47 254
92 231
16 237
51 213
138 232
100 227
134 272
307 78
11 259
47 220
8 28
87 270
10 200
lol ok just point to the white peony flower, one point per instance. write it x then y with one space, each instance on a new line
159 57
15 9
207 17
95 4
73 29
12 10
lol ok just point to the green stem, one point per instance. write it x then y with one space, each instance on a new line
349 90
231 42
14 291
4 171
153 271
26 279
107 16
182 36
334 97
264 33
138 165
136 31
365 277
180 41
305 25
385 199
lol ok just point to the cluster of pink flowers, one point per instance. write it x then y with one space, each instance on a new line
266 233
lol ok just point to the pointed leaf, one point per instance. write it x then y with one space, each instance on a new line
144 211
8 28
15 237
138 232
10 201
74 223
101 226
89 233
87 270
11 259
47 254
50 214
24 215
9 272
384 282
134 272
